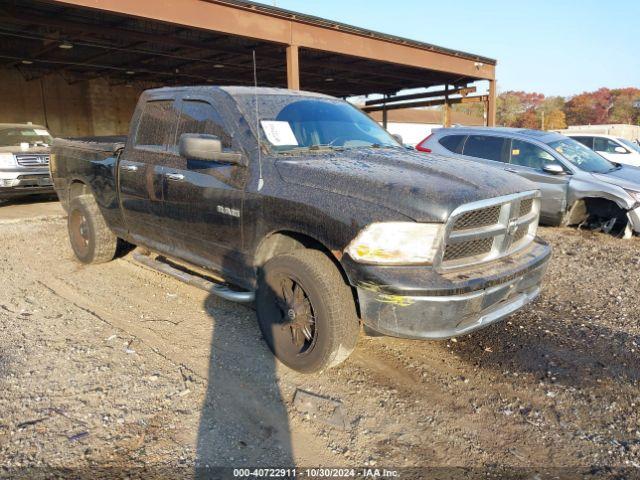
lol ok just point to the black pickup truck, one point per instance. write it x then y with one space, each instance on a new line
305 206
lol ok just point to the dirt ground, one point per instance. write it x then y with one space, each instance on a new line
118 367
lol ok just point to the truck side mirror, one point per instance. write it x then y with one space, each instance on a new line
207 148
620 150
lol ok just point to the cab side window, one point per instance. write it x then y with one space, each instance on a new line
157 125
487 147
198 116
601 144
526 154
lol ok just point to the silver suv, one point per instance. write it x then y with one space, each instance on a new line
578 186
24 160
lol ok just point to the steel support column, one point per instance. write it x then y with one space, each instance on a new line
491 104
446 109
293 68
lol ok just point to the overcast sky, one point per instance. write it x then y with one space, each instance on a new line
556 47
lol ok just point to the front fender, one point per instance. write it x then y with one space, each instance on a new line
580 188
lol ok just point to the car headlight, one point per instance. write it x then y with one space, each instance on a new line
634 195
7 160
397 243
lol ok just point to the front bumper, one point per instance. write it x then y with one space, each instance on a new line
17 183
634 219
451 314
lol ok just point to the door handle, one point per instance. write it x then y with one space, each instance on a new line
130 168
512 170
176 177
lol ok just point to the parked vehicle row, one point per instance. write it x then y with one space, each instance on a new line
24 160
308 207
578 186
615 149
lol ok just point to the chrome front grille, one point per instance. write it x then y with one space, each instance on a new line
470 248
478 218
33 160
486 230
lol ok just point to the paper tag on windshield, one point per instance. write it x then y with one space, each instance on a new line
279 133
41 132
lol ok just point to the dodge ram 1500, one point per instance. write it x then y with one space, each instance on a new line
303 205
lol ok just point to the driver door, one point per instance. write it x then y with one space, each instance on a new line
528 161
203 200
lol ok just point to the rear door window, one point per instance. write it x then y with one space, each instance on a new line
487 147
156 128
453 143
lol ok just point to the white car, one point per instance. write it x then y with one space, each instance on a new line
614 149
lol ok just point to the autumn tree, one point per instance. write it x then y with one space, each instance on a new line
555 120
512 105
623 109
589 108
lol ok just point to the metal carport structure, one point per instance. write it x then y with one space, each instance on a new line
152 43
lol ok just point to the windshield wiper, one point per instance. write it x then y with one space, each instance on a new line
319 146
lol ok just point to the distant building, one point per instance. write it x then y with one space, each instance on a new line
414 124
630 132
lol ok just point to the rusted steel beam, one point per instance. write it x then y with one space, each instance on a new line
418 96
426 103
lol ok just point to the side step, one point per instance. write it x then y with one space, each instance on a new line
195 280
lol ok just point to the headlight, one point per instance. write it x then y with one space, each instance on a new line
397 243
7 160
634 195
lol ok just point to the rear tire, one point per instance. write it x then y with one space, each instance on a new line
91 239
306 312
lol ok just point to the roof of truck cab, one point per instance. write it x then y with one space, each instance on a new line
539 135
240 90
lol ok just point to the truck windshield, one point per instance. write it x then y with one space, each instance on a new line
291 123
16 136
582 157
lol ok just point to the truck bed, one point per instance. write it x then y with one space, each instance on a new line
104 144
91 158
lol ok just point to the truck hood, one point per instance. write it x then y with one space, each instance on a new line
426 188
626 177
17 151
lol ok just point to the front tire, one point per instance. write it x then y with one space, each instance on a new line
91 239
306 312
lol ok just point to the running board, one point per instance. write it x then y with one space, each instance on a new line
195 280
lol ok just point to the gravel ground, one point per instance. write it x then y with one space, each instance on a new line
120 368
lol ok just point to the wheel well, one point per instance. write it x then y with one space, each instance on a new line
279 243
596 212
603 208
78 188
